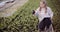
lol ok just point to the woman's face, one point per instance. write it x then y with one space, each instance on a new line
42 5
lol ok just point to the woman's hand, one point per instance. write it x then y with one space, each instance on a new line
51 20
33 12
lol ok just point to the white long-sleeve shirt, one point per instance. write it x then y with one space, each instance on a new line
41 14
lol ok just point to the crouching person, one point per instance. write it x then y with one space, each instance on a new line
44 14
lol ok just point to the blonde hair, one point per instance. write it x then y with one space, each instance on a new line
44 2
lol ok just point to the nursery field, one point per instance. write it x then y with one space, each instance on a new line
23 20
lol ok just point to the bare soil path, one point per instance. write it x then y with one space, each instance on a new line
10 8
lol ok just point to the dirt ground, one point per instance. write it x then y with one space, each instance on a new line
10 8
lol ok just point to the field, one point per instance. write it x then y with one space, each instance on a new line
23 20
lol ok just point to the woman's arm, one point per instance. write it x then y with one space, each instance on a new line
50 13
35 12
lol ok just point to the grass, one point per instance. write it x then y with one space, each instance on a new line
22 19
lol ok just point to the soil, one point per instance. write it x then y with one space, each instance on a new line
10 8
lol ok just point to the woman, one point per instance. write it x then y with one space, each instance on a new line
44 14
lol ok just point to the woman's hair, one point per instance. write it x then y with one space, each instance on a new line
44 2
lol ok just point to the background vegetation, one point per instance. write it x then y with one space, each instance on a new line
55 5
23 20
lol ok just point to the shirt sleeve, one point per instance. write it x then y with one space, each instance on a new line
36 12
50 12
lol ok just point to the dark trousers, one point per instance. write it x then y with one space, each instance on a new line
46 22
